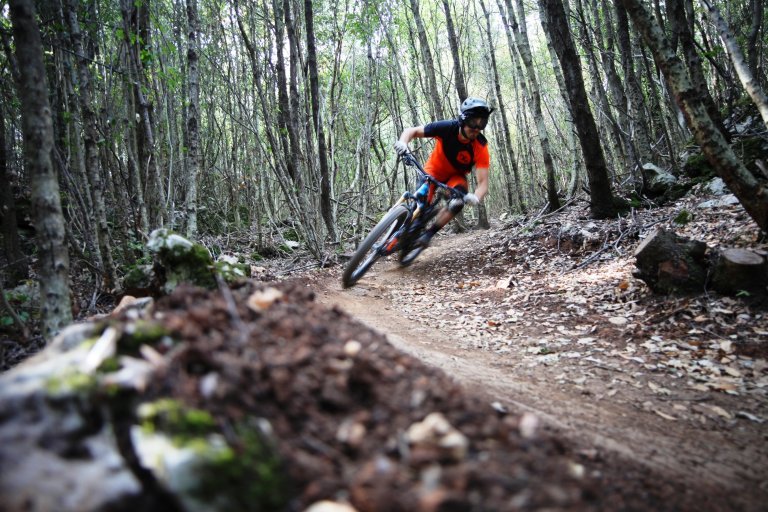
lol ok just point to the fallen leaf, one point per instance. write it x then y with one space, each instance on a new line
718 410
658 389
664 415
750 417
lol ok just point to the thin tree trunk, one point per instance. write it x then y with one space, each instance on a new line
638 121
17 261
92 158
326 185
752 194
282 167
681 21
755 49
37 127
522 113
521 36
506 134
748 79
193 116
601 197
135 21
429 65
612 140
461 85
294 111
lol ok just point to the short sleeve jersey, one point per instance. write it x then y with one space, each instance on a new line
451 157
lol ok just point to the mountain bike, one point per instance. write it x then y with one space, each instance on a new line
400 228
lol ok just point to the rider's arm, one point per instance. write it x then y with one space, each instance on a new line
482 182
411 133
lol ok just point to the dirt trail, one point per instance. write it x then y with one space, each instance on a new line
609 406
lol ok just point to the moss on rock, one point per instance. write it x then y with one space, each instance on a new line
208 472
141 332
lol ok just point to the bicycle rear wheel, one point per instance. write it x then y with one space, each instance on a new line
378 243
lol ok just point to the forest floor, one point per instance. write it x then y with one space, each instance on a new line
560 382
547 319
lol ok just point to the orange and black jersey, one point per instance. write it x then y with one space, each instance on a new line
450 156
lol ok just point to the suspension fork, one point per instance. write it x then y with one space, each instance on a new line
394 241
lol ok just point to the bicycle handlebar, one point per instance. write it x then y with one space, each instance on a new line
410 160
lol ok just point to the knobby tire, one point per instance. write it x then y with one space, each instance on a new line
368 252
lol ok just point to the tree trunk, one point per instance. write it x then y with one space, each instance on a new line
505 131
637 119
554 20
326 185
612 139
429 65
193 116
293 91
453 40
752 194
521 36
92 159
16 260
748 79
757 8
283 167
682 26
56 307
135 23
521 119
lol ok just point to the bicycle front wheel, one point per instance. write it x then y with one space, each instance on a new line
378 243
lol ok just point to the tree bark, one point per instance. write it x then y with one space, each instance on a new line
521 119
606 122
554 20
506 134
429 64
193 116
135 23
521 36
671 264
453 40
748 79
37 127
637 119
752 193
757 7
91 140
326 185
681 24
16 260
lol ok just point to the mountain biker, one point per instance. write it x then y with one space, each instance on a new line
459 147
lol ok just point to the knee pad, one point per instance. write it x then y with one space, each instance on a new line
455 205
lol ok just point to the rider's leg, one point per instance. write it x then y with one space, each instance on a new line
444 216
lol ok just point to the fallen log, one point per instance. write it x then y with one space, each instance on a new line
739 270
671 264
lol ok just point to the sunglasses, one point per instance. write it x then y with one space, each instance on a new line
477 126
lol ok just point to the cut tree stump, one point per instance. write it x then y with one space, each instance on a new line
671 264
737 270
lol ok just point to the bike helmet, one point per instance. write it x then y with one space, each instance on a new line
474 107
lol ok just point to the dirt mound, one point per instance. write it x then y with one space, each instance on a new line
357 420
341 400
